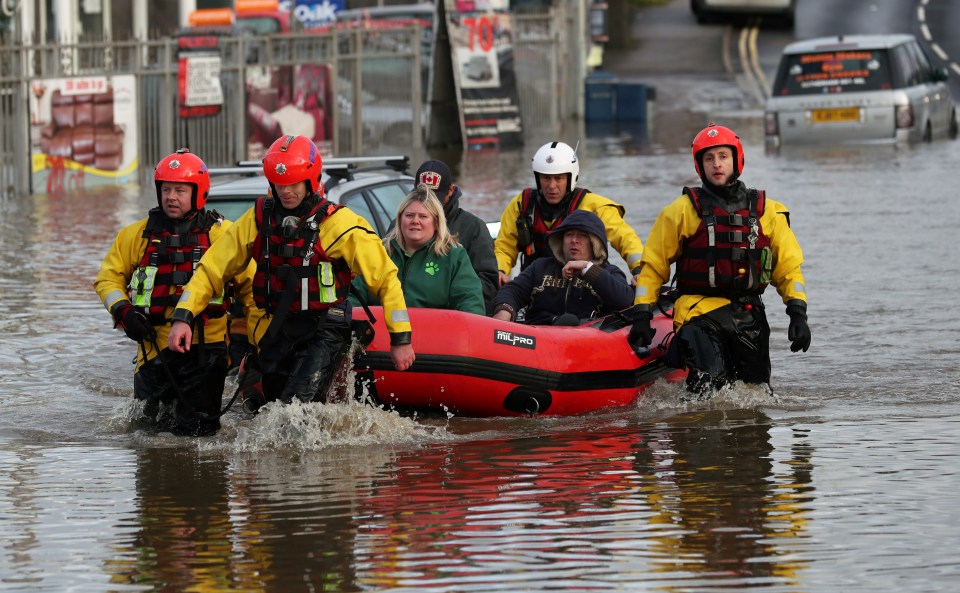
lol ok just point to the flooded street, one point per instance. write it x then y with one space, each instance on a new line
845 481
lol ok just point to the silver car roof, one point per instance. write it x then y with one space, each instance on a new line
848 42
247 179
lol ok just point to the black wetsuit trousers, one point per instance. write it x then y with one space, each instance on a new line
192 380
727 344
301 360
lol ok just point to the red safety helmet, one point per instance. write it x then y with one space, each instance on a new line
714 135
291 159
184 167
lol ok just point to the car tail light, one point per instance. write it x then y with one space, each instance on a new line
904 116
770 123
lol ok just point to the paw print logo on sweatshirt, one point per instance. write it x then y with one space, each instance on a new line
431 268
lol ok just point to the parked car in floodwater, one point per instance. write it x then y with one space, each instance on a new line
372 187
858 88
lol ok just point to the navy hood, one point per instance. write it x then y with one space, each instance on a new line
581 220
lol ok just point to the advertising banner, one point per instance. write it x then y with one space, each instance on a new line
289 100
482 55
83 132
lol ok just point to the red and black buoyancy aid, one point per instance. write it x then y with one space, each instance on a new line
168 264
532 229
729 254
293 270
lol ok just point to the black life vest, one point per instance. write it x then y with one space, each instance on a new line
532 229
729 254
168 264
293 270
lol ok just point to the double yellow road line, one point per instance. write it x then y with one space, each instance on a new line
747 71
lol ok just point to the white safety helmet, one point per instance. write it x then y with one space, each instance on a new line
555 158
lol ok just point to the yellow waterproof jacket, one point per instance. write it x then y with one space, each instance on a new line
122 260
620 234
679 221
343 235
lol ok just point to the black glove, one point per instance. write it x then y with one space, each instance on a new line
799 332
135 324
641 334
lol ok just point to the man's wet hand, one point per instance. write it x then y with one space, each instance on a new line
402 356
181 336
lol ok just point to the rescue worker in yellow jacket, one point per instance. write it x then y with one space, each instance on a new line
140 281
728 242
533 213
306 250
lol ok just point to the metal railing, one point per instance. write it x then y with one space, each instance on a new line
373 106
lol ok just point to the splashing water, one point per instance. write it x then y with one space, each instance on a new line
311 426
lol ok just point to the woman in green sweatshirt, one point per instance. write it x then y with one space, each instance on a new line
434 270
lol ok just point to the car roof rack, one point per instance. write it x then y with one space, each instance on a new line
343 168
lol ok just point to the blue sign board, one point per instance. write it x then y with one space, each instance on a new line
316 13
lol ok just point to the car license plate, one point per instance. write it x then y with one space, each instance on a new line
829 116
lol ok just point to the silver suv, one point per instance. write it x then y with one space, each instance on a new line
858 88
372 187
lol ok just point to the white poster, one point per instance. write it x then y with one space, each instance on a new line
203 81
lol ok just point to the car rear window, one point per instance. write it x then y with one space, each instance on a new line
839 71
230 209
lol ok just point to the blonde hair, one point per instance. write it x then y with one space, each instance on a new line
443 241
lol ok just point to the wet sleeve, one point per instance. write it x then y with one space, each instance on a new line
672 225
611 286
243 280
787 255
505 246
227 257
621 235
516 294
118 265
347 236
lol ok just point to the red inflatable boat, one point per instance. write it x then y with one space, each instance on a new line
477 366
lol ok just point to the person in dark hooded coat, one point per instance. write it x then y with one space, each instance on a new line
576 284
